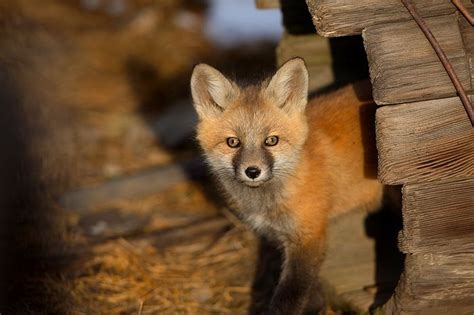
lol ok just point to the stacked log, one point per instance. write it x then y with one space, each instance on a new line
334 18
404 66
425 141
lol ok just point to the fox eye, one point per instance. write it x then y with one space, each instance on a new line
233 142
271 141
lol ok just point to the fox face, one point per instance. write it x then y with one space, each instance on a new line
252 135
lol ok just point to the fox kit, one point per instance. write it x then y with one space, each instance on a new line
286 165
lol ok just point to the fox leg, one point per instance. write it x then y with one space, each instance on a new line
316 303
299 284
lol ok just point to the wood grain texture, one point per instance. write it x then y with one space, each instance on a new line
334 18
468 39
424 141
315 51
438 216
405 68
438 237
435 284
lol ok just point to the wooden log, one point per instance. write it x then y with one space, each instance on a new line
134 186
334 18
435 284
468 39
438 235
267 4
315 51
405 68
424 141
438 216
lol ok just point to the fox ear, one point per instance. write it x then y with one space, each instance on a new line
288 88
211 90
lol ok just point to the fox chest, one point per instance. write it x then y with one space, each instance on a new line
272 221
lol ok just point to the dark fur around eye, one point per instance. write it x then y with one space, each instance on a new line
271 141
233 142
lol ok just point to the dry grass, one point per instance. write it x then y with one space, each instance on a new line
207 274
133 277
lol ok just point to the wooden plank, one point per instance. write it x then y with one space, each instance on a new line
334 18
420 82
435 284
134 186
350 260
438 216
424 141
468 39
405 68
267 4
315 51
353 264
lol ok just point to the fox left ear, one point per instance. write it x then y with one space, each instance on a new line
212 92
288 88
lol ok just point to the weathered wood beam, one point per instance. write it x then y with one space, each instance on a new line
468 38
438 216
405 68
134 186
435 284
424 141
334 18
316 52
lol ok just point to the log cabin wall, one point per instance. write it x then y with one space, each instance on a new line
424 137
425 141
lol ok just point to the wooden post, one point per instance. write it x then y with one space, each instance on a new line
438 238
424 141
404 66
334 18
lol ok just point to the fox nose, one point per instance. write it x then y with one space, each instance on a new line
252 172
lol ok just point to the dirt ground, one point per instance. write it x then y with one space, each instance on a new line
89 94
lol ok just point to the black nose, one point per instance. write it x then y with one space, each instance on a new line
252 172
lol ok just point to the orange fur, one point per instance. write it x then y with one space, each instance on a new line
323 165
337 171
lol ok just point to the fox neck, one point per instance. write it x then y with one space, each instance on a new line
254 199
263 207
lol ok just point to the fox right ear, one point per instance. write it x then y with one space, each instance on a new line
211 90
288 88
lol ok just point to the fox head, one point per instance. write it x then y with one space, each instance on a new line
252 135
